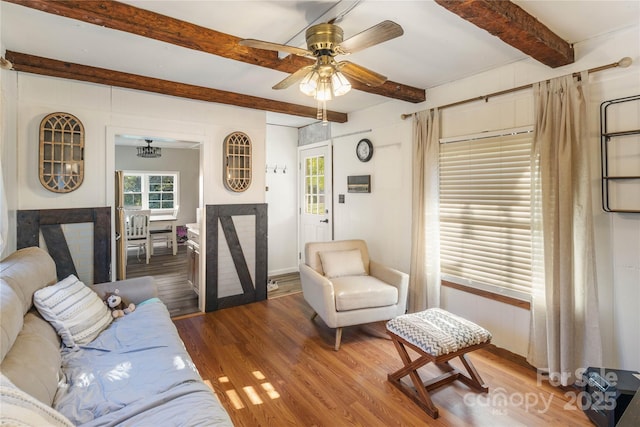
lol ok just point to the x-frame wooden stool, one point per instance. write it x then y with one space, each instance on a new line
437 336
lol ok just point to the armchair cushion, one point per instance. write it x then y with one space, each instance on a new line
342 263
359 292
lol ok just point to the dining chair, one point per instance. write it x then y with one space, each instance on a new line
137 231
164 234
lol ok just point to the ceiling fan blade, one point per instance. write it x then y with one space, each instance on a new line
293 78
362 74
259 44
386 30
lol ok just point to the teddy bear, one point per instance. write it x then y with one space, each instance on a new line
117 306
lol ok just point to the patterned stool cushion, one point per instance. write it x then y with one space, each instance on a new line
437 332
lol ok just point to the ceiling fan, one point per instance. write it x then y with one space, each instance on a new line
326 78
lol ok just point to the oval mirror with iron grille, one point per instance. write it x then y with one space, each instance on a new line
61 163
237 162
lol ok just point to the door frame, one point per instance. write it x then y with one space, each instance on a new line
110 167
329 197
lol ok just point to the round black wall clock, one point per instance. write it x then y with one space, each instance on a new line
364 150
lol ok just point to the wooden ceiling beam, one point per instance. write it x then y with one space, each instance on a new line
145 23
515 27
55 68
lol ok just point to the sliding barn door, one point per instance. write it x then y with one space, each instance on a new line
236 255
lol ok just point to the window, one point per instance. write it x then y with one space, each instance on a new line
314 185
485 213
151 190
161 191
133 191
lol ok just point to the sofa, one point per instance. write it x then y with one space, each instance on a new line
65 362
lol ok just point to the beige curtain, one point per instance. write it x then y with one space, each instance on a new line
424 282
4 215
565 333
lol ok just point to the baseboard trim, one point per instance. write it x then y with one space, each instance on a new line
187 316
282 271
510 356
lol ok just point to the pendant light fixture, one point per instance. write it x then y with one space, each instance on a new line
149 152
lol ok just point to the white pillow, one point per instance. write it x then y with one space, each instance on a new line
342 263
21 409
75 311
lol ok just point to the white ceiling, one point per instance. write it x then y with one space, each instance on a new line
437 46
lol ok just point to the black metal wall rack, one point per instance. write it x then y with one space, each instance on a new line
607 137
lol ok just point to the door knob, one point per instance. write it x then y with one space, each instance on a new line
326 221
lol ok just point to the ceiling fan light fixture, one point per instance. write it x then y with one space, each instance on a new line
325 90
340 84
309 83
149 152
325 41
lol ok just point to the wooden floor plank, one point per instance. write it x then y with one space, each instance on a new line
287 284
270 365
170 274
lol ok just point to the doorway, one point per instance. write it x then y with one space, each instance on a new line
168 186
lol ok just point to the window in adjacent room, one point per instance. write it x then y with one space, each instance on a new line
157 191
485 213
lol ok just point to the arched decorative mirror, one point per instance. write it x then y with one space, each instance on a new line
237 162
61 152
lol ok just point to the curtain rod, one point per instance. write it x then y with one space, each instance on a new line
623 63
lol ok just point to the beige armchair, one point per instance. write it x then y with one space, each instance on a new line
344 287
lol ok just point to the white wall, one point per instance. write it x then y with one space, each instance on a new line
383 218
184 161
281 197
105 112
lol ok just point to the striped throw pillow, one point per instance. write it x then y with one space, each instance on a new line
22 409
76 312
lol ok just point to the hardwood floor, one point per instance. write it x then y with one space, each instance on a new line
170 274
287 284
270 365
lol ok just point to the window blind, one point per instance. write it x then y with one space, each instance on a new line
485 213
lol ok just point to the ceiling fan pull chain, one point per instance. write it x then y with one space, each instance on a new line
324 113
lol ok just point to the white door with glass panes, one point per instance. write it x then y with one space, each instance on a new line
315 195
